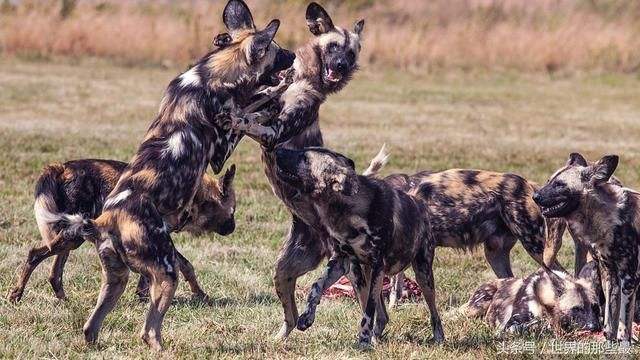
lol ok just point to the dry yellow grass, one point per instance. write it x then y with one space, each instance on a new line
541 35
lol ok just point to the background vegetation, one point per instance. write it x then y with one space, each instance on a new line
539 35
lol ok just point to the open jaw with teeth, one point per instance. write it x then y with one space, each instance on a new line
331 75
558 209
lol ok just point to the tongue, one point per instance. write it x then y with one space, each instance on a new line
331 75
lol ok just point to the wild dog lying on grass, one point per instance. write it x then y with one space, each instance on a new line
78 189
468 208
372 225
517 304
160 182
607 216
323 66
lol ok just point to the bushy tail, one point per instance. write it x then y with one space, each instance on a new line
50 217
378 162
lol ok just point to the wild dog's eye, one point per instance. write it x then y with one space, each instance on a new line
333 47
351 57
261 53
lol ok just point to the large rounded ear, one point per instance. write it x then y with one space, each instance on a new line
318 21
358 27
237 16
576 159
604 168
227 178
263 38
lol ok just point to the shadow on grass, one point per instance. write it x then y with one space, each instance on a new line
262 298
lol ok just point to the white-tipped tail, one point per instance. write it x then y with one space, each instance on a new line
378 162
45 210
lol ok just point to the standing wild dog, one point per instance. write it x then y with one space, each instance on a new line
468 208
79 187
516 304
371 224
607 216
322 67
162 179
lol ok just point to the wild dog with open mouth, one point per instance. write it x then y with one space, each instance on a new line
322 67
468 208
79 188
160 182
371 224
607 216
517 304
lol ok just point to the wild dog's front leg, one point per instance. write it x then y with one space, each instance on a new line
375 288
627 304
337 266
397 286
611 290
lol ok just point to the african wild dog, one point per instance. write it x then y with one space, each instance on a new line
78 188
322 67
374 227
517 304
468 208
607 216
160 182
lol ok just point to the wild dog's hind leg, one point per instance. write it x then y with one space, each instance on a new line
115 275
337 266
57 269
35 256
496 250
164 281
423 267
302 252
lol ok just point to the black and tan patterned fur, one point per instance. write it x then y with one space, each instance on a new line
160 182
79 188
546 297
323 66
606 216
469 208
373 227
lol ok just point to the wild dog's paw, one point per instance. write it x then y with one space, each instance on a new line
15 295
306 320
364 343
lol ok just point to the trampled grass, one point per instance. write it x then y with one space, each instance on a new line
505 122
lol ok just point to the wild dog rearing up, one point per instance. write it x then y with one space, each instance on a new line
370 223
79 187
161 180
322 67
607 216
516 304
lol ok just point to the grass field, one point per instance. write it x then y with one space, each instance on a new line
525 124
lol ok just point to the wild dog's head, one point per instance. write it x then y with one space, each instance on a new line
338 48
564 190
317 171
247 56
213 206
574 303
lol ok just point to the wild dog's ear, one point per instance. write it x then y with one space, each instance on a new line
604 168
264 37
358 27
227 178
558 279
222 40
576 159
318 21
237 16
